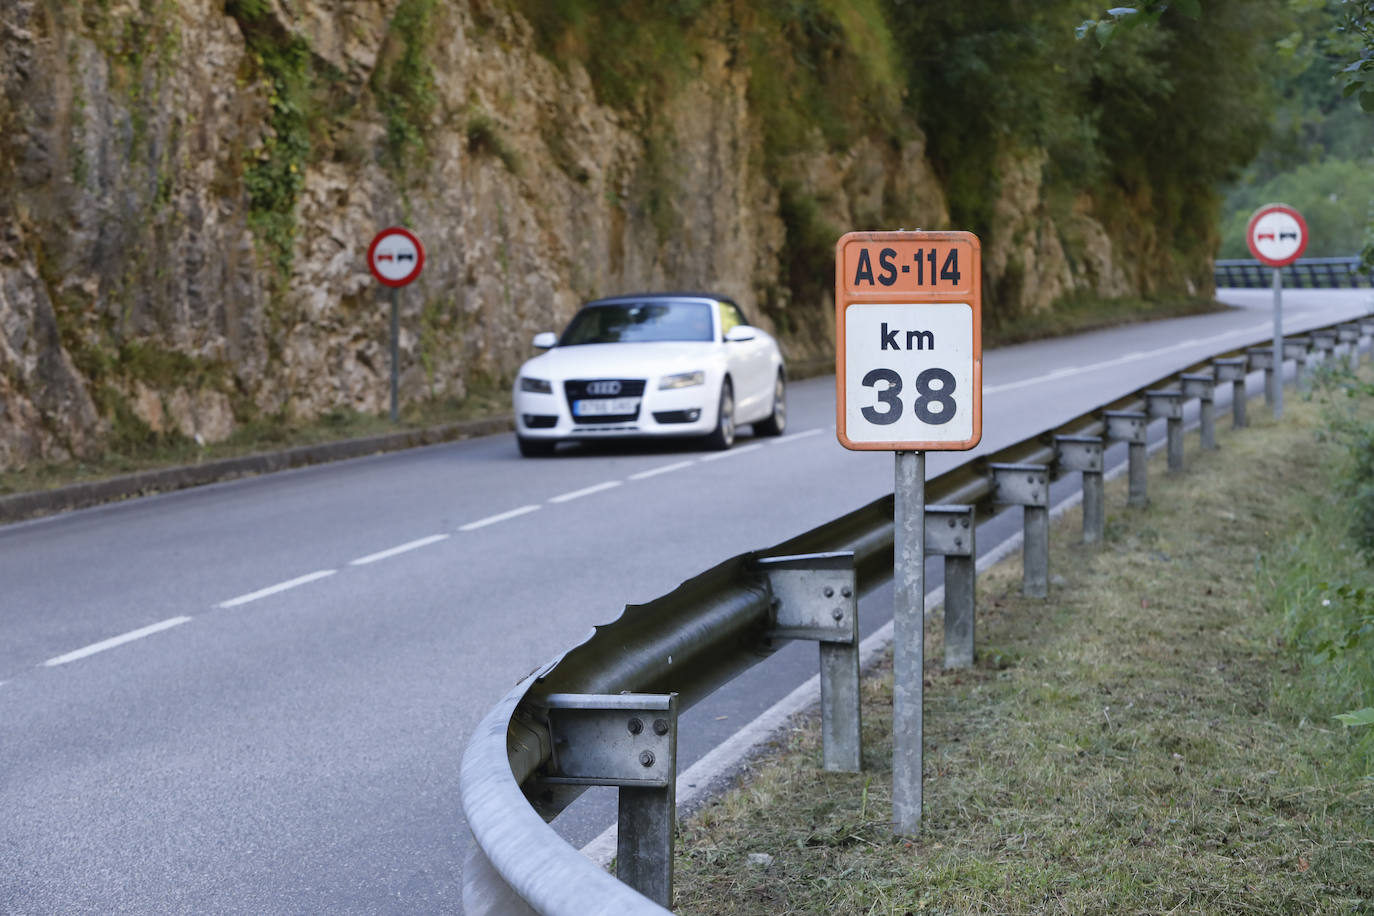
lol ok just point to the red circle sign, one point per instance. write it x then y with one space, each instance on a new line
1277 235
395 256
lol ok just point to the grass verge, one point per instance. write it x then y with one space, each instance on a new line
272 433
1145 741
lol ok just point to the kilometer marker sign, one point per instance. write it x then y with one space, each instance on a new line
909 351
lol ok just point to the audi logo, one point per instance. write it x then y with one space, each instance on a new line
604 389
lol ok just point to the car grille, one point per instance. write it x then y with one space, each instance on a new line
577 390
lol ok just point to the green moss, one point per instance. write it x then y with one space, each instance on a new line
484 138
808 254
403 84
274 172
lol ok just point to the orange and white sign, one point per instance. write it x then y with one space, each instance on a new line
909 347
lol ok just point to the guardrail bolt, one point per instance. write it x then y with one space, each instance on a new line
829 592
646 758
846 592
660 727
837 614
635 726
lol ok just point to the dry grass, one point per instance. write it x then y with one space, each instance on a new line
1117 749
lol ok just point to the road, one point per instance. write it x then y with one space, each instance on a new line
252 697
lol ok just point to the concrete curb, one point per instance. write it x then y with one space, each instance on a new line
22 506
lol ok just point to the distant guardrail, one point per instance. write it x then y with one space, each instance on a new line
1304 273
606 711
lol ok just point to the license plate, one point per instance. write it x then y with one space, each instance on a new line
605 407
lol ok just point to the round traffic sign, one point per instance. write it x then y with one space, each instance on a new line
1277 235
395 256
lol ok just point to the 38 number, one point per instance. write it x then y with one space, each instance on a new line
934 403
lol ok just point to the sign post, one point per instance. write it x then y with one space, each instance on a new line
1277 236
395 258
908 379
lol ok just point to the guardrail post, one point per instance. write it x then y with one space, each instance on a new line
1028 486
1234 370
1169 406
1348 335
1129 426
1366 330
1324 343
630 741
950 534
1084 453
1299 349
1263 358
1203 387
815 596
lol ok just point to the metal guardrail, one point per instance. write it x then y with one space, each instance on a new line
1304 273
605 713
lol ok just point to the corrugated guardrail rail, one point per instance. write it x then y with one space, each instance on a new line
605 713
1304 273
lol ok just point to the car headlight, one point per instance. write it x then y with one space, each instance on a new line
682 380
537 385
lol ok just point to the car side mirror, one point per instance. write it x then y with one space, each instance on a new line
740 333
545 340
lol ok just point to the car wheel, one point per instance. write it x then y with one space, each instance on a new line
775 422
724 436
535 448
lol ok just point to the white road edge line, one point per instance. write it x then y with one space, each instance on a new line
403 548
585 491
732 452
702 779
279 587
665 469
499 517
113 641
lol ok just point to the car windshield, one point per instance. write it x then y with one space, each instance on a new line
636 322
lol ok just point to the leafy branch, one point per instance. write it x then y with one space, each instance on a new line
1129 17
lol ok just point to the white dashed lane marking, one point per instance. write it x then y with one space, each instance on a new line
500 517
1124 358
731 453
113 641
585 491
795 436
665 469
415 545
274 589
403 548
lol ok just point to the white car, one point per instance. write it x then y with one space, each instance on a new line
654 364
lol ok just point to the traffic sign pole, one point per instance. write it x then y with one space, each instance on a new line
908 642
1276 377
395 354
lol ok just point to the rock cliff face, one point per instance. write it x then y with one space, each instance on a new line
183 240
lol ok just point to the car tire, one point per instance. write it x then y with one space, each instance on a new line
724 435
535 448
775 422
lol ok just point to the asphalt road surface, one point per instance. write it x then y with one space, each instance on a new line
253 697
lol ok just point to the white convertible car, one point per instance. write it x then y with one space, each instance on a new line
655 364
